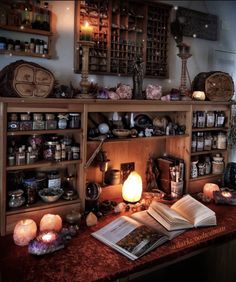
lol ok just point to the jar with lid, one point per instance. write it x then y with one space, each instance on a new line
210 119
221 141
11 157
218 164
207 141
13 123
220 119
54 179
214 141
49 150
201 168
75 152
25 122
207 165
74 120
200 141
50 122
30 187
62 120
16 198
194 142
20 157
38 122
201 119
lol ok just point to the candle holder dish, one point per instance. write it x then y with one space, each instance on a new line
49 195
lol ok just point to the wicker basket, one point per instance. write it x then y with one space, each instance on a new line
218 86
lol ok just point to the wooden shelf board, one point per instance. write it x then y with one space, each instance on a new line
27 54
208 152
52 131
205 177
24 29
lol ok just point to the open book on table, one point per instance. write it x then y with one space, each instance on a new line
134 236
185 213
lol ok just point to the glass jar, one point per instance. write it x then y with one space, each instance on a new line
210 119
54 179
13 123
75 152
16 198
49 150
38 123
201 119
220 119
201 168
221 141
30 187
74 120
207 165
25 122
194 120
62 121
217 164
200 141
193 169
207 141
50 122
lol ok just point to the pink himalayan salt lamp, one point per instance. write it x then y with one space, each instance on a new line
24 231
51 222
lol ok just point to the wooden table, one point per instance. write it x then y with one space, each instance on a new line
87 259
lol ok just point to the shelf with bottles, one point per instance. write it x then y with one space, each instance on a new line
26 188
207 177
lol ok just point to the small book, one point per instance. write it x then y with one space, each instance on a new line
135 235
185 213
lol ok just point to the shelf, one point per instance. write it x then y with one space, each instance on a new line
210 129
205 177
131 139
22 53
41 164
41 132
24 29
41 205
208 152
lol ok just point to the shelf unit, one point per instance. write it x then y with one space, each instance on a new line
123 31
118 150
13 25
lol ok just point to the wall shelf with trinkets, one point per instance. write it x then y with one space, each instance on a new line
123 31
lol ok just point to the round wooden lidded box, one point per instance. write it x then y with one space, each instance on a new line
25 79
218 86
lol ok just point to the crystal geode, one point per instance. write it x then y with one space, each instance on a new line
40 247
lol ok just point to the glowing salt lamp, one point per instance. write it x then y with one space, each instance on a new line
24 231
132 188
199 95
209 188
50 222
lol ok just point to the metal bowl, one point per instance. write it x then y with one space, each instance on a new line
50 195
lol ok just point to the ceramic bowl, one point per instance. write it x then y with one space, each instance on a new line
121 133
50 195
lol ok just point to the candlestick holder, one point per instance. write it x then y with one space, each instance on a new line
84 83
184 56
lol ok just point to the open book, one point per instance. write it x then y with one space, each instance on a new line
134 236
185 213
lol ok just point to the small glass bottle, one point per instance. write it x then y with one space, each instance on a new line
74 120
201 168
58 153
11 157
62 121
217 164
194 143
207 165
201 119
220 119
20 157
210 119
25 122
194 120
200 141
16 198
30 156
207 141
63 152
75 152
221 141
50 122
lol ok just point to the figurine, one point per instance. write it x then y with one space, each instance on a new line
138 79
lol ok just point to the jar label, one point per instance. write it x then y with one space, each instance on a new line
54 183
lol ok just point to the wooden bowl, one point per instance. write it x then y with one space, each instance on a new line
121 133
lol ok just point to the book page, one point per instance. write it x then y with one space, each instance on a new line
129 237
192 209
148 220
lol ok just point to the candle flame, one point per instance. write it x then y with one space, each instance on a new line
48 237
226 194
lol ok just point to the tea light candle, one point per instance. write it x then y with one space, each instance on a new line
209 188
48 237
86 32
50 222
226 194
24 231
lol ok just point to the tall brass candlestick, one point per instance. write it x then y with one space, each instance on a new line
84 83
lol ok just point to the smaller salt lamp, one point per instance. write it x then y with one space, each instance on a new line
51 222
24 231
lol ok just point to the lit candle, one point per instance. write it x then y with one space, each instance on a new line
209 188
226 194
86 32
132 188
51 222
24 231
48 237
